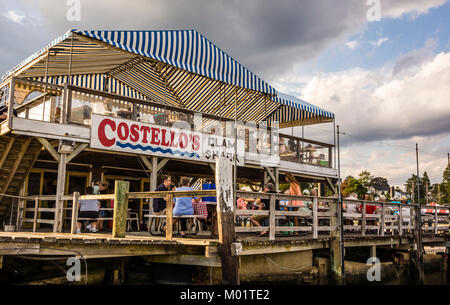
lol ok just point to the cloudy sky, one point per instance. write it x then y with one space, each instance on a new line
383 67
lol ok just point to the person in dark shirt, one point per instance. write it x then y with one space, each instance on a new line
159 204
264 204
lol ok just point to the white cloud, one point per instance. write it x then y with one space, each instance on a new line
399 110
352 44
399 8
14 17
379 42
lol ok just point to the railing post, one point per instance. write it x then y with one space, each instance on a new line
400 220
272 218
76 197
225 214
169 217
435 220
363 219
120 208
36 207
315 219
12 84
335 240
383 211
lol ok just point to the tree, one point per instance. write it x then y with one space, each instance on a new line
380 184
352 185
365 178
411 185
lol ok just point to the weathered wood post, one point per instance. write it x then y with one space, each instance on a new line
36 207
169 217
120 208
435 220
225 215
272 222
60 186
363 219
315 219
76 197
335 240
383 211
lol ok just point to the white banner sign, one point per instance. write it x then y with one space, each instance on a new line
140 138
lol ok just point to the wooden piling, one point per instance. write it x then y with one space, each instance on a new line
120 209
73 227
335 249
225 214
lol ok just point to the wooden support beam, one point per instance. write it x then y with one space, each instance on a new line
16 165
60 188
146 162
11 102
373 251
6 151
35 215
76 151
225 214
269 172
315 218
120 208
272 223
51 150
277 179
154 174
162 163
75 202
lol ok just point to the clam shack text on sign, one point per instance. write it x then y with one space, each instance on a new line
118 134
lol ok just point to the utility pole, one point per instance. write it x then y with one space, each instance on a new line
340 212
419 253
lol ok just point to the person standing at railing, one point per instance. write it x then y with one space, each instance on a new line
294 189
264 204
370 209
89 209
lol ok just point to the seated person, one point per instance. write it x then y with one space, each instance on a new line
159 204
89 209
264 204
241 204
350 208
183 205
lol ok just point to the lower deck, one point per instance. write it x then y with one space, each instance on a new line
205 249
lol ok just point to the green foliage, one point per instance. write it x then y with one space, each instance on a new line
352 185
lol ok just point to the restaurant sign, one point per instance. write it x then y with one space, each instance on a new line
118 134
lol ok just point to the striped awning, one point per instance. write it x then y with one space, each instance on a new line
180 68
296 112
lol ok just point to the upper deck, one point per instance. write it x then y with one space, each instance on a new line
75 114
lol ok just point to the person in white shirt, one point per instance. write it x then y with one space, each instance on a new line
89 208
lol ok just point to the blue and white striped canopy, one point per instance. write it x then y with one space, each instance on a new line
179 67
294 112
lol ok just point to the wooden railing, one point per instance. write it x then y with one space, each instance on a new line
387 221
314 216
390 219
